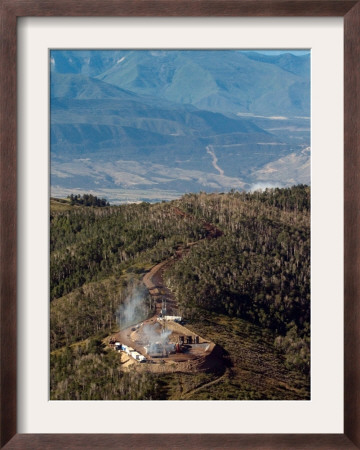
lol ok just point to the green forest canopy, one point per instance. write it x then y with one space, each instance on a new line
258 270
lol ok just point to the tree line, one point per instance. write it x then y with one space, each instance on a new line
87 200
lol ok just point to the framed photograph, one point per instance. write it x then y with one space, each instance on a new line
77 117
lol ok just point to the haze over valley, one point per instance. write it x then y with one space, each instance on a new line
153 125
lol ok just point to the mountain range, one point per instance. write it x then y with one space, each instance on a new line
151 125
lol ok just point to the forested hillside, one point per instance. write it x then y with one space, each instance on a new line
247 289
259 269
89 244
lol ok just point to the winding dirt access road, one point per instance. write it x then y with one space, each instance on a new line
154 282
154 279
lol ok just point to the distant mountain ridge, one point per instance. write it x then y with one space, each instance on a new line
176 121
223 80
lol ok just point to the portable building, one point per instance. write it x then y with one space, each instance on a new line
173 318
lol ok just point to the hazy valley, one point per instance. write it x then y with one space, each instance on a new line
133 126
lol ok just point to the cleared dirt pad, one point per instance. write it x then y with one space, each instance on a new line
190 352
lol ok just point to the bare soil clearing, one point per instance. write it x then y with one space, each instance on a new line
199 355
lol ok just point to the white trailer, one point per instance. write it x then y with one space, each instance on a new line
173 318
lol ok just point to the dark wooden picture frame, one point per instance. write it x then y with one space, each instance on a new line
13 9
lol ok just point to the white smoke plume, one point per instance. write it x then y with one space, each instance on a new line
133 310
153 334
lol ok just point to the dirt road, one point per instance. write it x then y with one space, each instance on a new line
161 294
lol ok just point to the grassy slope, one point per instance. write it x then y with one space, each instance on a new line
60 205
